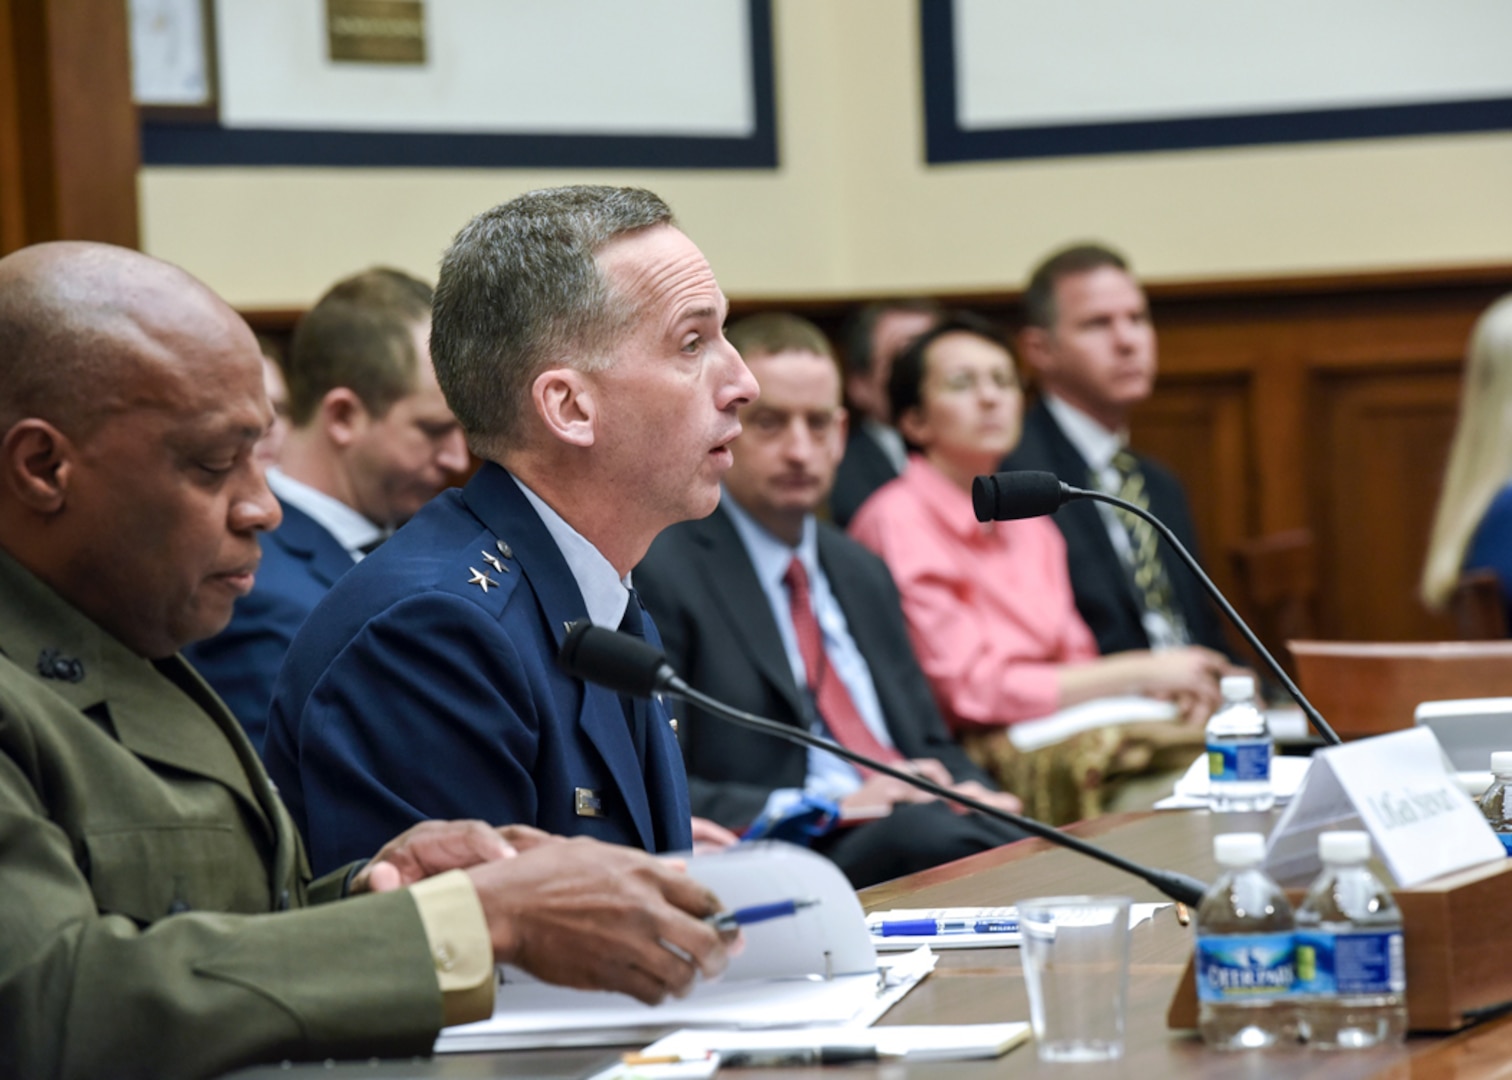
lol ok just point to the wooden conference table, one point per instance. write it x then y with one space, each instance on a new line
986 985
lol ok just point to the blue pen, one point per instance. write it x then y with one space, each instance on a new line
729 920
937 927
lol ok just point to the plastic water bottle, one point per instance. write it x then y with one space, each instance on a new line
1495 802
1351 988
1246 954
1239 748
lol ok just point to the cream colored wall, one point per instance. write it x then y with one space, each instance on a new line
853 209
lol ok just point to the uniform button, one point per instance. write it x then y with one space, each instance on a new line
446 958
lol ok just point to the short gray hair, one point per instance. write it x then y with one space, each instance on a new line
520 289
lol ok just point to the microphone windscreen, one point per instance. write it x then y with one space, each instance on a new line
624 664
1007 496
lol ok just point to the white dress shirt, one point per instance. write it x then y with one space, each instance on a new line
349 528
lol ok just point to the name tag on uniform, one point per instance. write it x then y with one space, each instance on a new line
587 802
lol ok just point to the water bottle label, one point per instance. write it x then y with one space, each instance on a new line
1239 761
1362 962
1245 967
1506 839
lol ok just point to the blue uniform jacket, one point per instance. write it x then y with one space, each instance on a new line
425 685
300 563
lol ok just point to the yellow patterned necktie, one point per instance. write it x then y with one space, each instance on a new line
1151 583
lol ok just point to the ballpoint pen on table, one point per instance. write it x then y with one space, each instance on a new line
729 920
791 1057
935 927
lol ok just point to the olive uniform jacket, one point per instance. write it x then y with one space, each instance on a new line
145 862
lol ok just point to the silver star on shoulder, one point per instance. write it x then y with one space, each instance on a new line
480 579
493 560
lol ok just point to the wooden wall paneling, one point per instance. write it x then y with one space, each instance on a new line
1229 338
69 144
31 203
12 202
96 139
1199 428
1383 437
1299 340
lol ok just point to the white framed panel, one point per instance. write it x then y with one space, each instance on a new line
1015 78
568 67
528 83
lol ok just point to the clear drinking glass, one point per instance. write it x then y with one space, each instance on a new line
1075 952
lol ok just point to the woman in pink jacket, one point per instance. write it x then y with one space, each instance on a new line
990 606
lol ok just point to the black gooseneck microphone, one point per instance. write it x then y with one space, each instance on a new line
1009 496
629 665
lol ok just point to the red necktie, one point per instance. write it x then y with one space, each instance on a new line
836 708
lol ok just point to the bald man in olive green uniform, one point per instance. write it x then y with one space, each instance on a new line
157 916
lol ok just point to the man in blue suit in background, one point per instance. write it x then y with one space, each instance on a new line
372 442
578 337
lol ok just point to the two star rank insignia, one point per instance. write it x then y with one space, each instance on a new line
480 578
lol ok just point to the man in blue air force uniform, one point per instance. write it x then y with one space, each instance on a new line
577 337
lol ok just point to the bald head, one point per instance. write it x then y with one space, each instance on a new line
131 398
78 321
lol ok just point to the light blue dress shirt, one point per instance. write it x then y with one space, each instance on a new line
605 593
349 528
829 777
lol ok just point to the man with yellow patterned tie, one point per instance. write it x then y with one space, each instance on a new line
1089 339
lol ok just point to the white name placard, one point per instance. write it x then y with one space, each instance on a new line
1396 788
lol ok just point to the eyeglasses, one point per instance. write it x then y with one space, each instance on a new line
969 382
768 423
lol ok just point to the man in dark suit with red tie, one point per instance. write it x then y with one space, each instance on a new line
777 613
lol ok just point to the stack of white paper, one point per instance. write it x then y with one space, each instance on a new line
1191 792
815 967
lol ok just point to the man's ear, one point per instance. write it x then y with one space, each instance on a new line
566 402
36 463
913 427
860 393
1036 349
343 416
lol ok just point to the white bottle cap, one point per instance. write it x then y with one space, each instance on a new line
1501 761
1347 847
1239 848
1237 687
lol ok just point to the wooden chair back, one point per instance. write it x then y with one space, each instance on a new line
1477 606
1367 688
1278 588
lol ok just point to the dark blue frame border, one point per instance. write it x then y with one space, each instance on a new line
168 143
946 142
